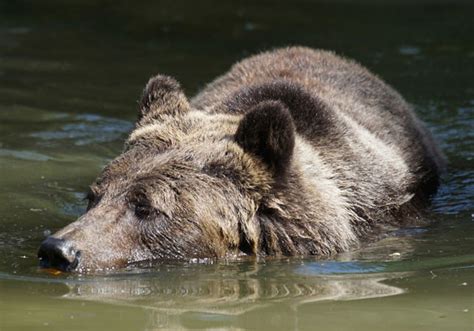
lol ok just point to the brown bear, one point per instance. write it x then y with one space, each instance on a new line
293 152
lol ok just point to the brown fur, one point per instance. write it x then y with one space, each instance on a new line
292 152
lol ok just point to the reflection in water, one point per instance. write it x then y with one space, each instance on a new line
230 296
226 292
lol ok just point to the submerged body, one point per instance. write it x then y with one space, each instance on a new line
292 152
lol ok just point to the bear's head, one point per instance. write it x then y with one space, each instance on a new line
188 185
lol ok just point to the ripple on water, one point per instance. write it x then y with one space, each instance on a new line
87 129
409 50
24 155
335 267
457 194
454 129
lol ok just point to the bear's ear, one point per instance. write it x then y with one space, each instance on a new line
268 132
162 96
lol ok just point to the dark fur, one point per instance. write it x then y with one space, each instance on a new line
268 132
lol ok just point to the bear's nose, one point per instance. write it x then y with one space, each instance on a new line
59 254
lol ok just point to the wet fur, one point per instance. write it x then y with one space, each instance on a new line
292 152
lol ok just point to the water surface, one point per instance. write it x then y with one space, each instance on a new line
69 80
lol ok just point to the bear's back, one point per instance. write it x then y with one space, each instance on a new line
359 104
345 86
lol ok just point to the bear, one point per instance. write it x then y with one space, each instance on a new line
292 152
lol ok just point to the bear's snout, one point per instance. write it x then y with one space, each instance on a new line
58 254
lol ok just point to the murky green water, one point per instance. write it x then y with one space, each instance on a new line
69 80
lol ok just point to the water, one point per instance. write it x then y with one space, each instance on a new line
69 80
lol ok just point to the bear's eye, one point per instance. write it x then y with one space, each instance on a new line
92 199
142 210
